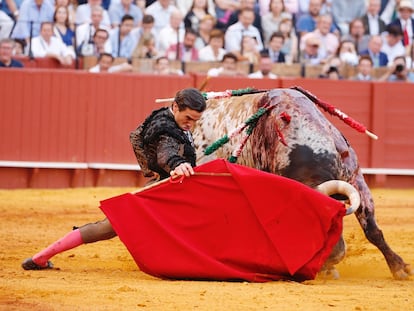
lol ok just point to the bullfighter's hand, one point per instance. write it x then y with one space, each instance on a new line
182 169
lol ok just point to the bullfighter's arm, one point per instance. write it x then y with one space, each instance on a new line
170 153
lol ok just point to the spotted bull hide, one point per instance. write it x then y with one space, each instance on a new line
295 140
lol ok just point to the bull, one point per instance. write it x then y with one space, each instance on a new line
295 140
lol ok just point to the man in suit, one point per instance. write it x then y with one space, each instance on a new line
379 58
405 22
275 45
373 23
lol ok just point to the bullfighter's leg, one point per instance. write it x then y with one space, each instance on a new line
89 233
366 217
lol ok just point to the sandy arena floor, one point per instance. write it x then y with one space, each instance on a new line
103 276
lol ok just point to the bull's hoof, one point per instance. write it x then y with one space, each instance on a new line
403 274
329 274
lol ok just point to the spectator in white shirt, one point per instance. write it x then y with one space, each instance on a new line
265 68
83 13
228 67
392 45
85 32
161 11
235 33
172 33
100 44
214 51
46 45
105 64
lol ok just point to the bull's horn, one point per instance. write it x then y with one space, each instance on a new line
339 186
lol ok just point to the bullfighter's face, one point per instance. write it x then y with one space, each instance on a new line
186 118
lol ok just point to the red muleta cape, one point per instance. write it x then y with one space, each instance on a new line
244 224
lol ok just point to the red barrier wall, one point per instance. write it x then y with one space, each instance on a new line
47 62
43 115
79 117
73 116
392 117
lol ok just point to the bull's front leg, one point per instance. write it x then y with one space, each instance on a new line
328 270
366 217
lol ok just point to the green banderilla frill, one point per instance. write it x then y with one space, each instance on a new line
250 123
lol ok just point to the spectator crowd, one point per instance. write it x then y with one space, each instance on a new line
365 34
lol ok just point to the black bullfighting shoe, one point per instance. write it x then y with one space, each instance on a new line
29 264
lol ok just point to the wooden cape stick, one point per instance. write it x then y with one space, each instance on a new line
222 94
169 179
164 100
